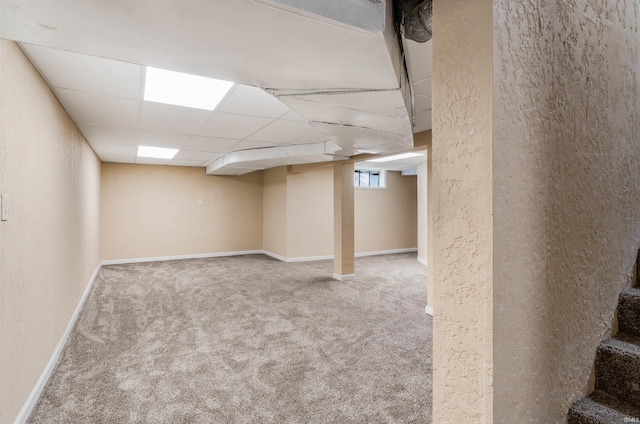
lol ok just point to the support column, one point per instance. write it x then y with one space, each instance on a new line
423 140
461 261
343 222
430 273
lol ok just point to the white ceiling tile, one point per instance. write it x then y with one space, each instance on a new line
194 155
420 59
282 131
118 158
386 102
152 161
423 121
314 137
162 139
423 87
173 119
414 161
293 116
87 73
114 149
422 103
247 144
89 108
384 166
248 100
175 162
109 135
210 144
232 170
237 127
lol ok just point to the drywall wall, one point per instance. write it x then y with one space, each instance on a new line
152 210
566 178
387 219
275 211
462 264
537 185
423 140
310 213
49 247
421 181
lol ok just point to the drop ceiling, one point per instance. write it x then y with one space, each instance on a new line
326 82
406 164
105 99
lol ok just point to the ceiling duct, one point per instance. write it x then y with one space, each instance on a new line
415 16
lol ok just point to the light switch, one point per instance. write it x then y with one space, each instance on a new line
200 202
5 207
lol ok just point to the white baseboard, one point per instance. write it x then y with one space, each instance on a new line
46 373
330 257
422 261
428 310
177 257
386 252
298 259
275 256
250 252
345 277
310 258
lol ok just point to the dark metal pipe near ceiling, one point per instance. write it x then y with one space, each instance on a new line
414 16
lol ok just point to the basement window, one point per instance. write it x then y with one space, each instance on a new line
369 178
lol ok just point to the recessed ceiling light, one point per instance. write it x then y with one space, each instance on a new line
397 157
176 88
156 152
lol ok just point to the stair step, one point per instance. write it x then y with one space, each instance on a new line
618 368
600 408
629 312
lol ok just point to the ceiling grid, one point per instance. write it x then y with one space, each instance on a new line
333 87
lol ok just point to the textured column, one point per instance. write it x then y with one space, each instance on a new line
461 261
344 246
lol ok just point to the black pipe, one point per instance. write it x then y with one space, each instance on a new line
415 18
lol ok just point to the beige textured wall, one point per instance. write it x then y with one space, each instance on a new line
274 238
566 159
462 206
150 210
537 182
387 219
49 248
310 213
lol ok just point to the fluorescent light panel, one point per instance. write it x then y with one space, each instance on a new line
397 157
156 152
176 88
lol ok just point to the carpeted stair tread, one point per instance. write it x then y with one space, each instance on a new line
624 340
601 408
625 343
618 368
629 312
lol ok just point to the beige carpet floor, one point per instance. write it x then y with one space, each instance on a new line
247 339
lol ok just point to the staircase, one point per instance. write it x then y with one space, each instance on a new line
617 395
